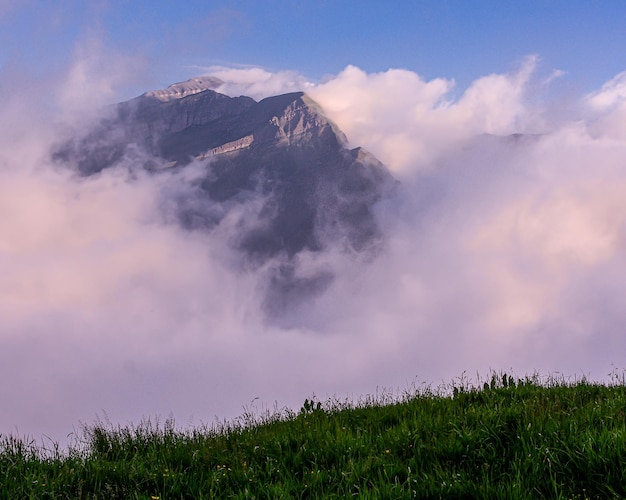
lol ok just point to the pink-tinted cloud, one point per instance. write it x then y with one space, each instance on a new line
411 123
501 252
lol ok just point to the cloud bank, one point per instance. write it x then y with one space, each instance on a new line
502 252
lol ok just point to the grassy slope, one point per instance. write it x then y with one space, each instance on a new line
508 439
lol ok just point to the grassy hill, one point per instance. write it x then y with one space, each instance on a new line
506 438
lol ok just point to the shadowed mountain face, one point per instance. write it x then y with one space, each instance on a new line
280 155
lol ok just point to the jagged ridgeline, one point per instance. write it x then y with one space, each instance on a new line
310 191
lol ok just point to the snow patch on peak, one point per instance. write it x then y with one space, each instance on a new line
184 89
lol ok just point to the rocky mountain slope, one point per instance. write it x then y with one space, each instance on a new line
311 192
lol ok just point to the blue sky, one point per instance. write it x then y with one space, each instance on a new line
460 39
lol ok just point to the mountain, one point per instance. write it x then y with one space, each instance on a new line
281 156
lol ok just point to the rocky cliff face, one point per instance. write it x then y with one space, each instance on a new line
311 190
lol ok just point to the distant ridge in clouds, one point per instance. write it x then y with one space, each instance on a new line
500 251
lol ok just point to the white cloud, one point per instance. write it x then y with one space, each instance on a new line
410 123
607 108
500 253
255 82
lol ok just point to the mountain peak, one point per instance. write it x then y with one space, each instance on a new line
280 179
291 119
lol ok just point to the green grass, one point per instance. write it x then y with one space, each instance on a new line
507 438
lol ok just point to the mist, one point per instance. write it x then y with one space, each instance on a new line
501 252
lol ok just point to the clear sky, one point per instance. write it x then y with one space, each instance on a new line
460 39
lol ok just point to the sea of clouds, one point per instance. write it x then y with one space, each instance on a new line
502 252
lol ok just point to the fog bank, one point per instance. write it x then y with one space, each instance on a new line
501 252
